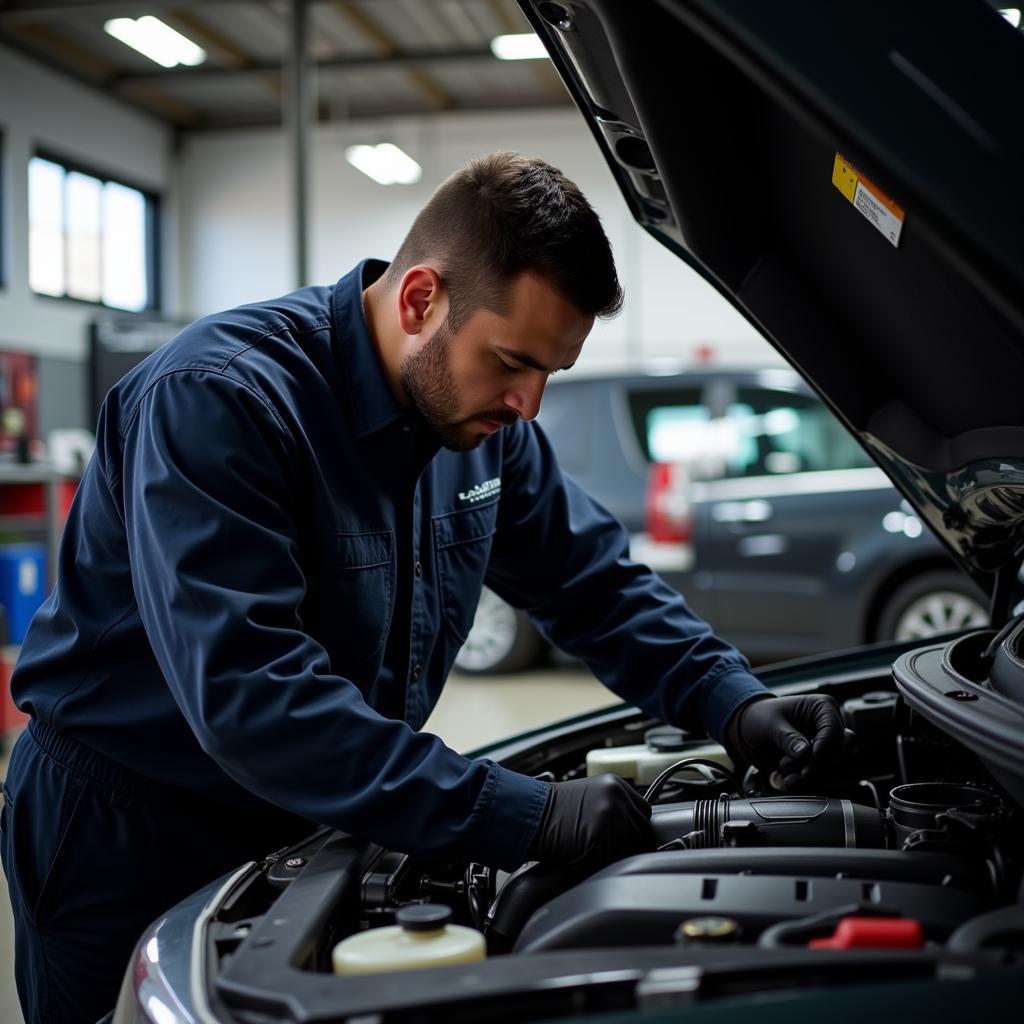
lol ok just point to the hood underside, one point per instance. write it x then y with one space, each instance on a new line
849 178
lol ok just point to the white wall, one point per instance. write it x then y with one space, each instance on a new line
236 244
41 109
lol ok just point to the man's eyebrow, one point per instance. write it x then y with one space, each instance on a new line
527 360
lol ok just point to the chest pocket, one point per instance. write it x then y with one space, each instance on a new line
357 577
462 541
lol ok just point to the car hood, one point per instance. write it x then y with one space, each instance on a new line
849 179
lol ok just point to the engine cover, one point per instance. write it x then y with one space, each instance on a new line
641 901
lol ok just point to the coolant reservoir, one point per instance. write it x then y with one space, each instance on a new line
643 763
423 937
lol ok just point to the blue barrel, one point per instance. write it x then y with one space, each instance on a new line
22 585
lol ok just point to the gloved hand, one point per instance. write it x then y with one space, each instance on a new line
798 736
589 823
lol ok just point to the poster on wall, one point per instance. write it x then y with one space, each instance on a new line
19 404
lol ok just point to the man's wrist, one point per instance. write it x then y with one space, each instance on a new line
728 688
533 851
509 818
735 747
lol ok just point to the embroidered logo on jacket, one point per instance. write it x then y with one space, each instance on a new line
488 489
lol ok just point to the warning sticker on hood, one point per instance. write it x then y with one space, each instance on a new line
867 197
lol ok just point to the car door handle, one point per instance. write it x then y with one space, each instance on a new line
762 544
742 512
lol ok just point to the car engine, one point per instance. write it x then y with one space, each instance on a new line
765 869
909 847
909 827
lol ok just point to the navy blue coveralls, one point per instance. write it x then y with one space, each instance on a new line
263 582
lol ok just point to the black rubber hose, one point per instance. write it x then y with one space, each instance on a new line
525 891
1003 928
800 931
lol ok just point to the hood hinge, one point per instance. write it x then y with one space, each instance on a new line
1004 592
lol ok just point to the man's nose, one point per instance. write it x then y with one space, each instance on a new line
525 397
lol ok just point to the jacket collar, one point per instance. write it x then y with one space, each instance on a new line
370 398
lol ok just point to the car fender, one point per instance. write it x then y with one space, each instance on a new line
875 563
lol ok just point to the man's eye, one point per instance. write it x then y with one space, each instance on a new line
508 367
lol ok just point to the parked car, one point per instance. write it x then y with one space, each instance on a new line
893 277
744 492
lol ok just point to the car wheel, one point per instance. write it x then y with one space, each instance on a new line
502 639
940 601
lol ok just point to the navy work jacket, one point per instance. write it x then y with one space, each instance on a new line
270 565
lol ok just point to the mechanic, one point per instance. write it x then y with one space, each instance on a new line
273 558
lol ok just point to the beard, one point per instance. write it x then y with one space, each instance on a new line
429 383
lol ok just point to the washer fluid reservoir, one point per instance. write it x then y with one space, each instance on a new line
423 937
642 763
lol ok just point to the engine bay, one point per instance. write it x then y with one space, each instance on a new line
905 859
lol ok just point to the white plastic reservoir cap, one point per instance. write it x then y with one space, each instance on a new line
423 937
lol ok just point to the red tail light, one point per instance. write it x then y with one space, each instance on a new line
668 503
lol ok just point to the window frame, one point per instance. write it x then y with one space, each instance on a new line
153 221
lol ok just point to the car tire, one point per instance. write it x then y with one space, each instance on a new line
937 601
502 639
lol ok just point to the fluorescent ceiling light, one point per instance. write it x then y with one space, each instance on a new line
384 163
523 46
156 40
1012 15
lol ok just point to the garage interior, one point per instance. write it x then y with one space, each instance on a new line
286 141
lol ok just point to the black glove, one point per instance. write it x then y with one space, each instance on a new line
589 823
798 736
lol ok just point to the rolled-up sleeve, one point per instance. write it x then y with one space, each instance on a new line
208 492
563 558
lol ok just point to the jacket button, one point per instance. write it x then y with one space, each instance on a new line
415 672
419 570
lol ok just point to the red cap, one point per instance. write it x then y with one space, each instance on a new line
873 933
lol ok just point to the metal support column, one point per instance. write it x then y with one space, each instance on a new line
298 114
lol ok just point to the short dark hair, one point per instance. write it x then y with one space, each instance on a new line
502 215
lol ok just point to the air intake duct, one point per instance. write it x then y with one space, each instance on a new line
768 821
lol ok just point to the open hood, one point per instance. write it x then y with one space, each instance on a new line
850 178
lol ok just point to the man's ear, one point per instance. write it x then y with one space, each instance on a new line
421 298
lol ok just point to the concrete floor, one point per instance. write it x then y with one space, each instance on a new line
471 712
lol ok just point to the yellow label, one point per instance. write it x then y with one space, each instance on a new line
844 177
868 199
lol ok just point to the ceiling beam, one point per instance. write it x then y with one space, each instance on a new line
32 11
66 58
23 12
362 113
167 107
201 32
387 47
66 52
226 50
398 59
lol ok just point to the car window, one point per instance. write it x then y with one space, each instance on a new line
667 422
763 432
784 432
672 431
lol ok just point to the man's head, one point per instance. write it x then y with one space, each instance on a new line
495 287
